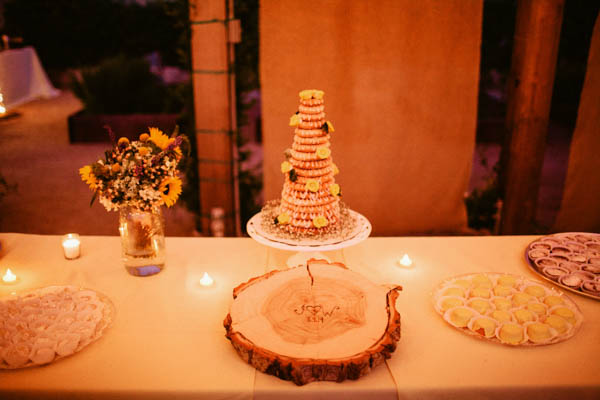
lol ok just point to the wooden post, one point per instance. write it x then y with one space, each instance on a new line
530 83
213 104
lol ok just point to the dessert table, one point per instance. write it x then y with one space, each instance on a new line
167 337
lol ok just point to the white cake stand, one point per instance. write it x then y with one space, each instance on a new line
309 248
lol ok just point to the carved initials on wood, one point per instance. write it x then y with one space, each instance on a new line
315 313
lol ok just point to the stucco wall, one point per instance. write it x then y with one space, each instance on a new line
400 80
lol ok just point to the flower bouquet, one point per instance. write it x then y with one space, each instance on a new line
136 178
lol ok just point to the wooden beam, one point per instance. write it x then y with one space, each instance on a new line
213 104
530 83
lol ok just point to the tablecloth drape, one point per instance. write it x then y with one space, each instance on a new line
167 339
22 77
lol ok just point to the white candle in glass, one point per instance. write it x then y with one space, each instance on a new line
71 246
9 277
406 262
206 280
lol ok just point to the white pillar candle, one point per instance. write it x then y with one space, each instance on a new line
71 246
206 280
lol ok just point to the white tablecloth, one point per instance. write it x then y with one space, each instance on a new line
22 77
167 339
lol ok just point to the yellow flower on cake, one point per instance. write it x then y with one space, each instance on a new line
286 167
320 221
88 176
123 142
323 152
335 169
170 189
312 185
311 93
329 127
283 218
294 120
334 189
144 137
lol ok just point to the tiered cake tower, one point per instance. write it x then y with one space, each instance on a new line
310 196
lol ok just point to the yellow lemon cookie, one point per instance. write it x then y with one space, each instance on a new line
484 326
537 308
538 332
501 315
523 316
481 291
502 291
557 323
502 303
507 280
479 305
565 313
536 291
450 302
552 301
511 333
519 299
454 291
460 316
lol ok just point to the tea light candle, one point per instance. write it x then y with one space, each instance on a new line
406 262
206 280
9 277
71 246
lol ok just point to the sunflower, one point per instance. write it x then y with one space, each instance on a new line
162 140
170 189
159 138
87 176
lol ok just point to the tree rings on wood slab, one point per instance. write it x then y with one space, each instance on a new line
314 322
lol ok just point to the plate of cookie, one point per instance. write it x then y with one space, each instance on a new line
570 260
44 325
507 309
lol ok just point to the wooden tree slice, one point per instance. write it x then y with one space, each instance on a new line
319 322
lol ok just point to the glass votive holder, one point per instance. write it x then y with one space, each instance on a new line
71 246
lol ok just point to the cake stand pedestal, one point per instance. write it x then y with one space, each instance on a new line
309 248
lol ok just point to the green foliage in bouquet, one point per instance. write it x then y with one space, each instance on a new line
124 85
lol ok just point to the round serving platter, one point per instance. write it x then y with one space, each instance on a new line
360 231
507 309
567 260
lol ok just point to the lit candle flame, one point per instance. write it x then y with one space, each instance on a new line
405 261
206 280
9 277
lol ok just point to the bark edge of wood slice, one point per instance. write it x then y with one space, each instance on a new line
273 328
